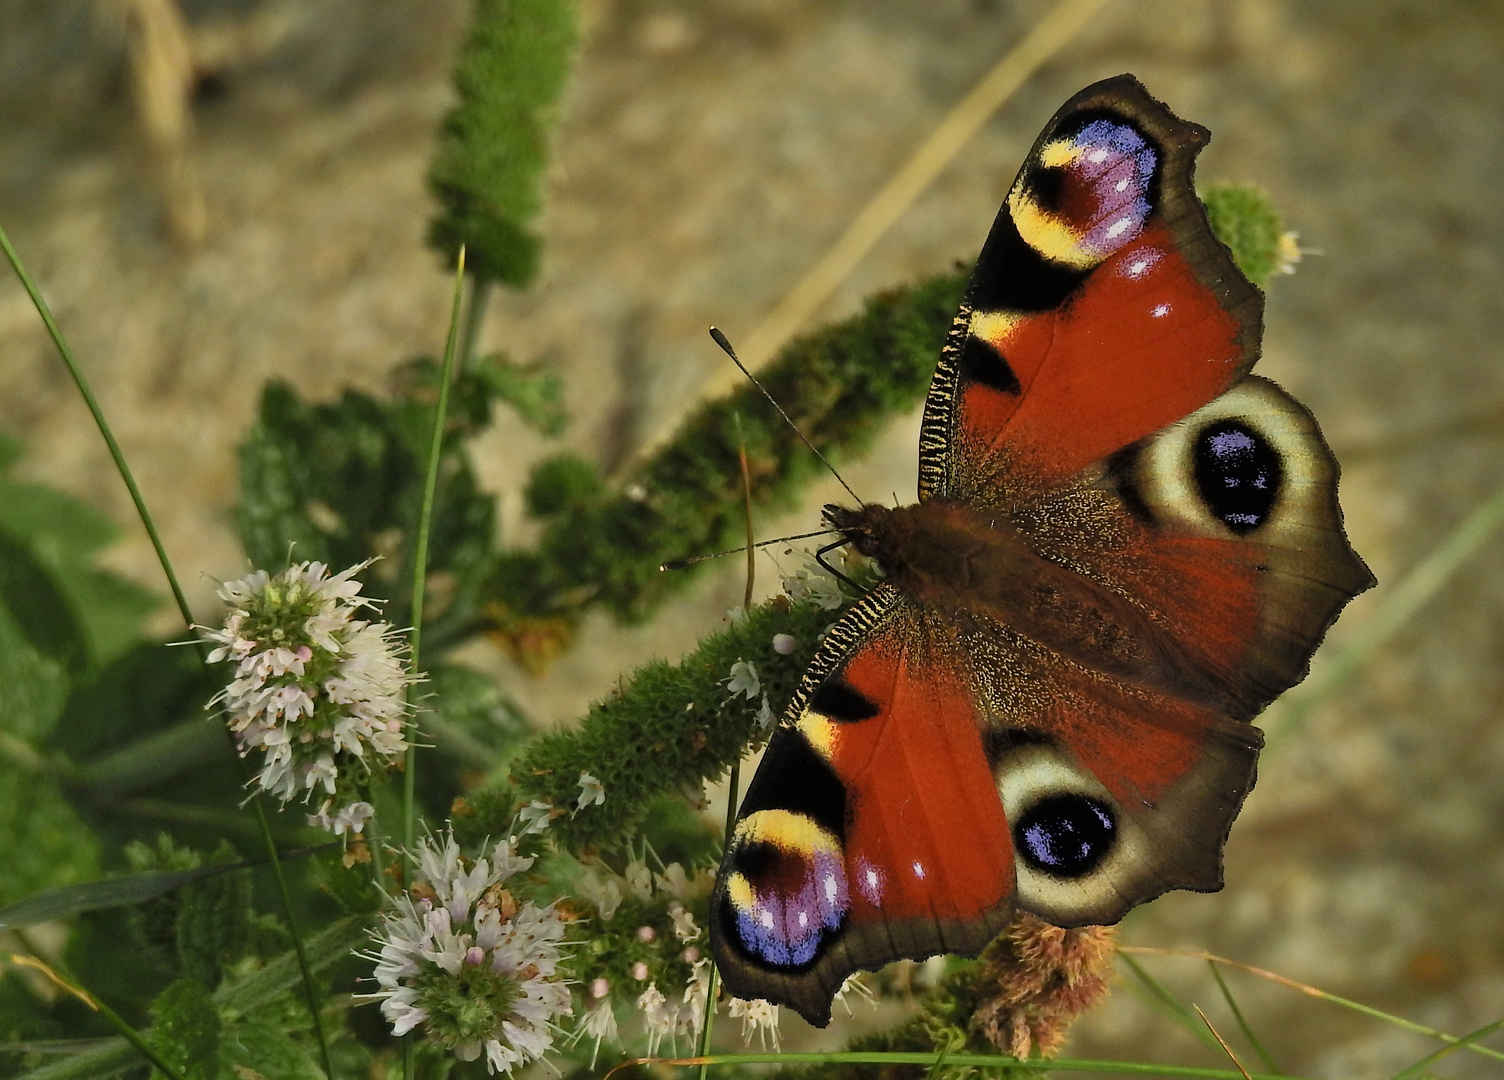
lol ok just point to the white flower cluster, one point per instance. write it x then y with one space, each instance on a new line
467 962
745 681
315 686
812 582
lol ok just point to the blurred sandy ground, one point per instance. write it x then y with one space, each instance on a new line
707 156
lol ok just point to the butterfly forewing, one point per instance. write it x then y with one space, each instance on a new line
840 860
1101 309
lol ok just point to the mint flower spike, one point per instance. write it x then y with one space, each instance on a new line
467 963
315 686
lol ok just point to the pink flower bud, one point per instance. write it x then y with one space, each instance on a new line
600 988
475 956
690 955
640 971
783 644
646 933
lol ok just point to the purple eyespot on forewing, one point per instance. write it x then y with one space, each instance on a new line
1118 165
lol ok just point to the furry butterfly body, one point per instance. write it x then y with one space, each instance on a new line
1125 547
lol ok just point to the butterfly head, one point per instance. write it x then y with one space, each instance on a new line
873 529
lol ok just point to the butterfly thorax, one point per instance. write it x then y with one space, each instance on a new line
960 560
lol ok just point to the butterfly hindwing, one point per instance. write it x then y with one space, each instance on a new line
847 853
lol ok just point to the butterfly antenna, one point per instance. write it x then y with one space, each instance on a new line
720 339
680 564
820 558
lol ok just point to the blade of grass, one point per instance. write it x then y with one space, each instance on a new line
1221 1042
961 1061
1253 1040
99 421
182 602
1168 1001
1466 1042
420 573
1311 991
114 1019
1425 579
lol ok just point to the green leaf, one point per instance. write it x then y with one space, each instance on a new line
266 1052
342 483
43 842
41 612
472 720
330 945
214 922
533 391
185 1030
98 613
69 900
136 698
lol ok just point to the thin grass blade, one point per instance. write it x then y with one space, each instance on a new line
1169 1003
1466 1042
1243 1025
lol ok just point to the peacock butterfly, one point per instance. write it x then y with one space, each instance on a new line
1125 546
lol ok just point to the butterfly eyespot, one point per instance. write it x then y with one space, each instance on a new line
1238 474
1046 187
784 889
1066 835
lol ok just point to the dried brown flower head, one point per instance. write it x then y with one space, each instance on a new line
1035 979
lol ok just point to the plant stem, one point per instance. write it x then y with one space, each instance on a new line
1304 988
1237 1013
1420 1068
297 938
172 580
115 1020
420 546
736 768
475 317
104 428
420 569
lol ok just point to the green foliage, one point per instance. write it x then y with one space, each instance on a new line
669 729
71 610
43 842
341 483
60 618
603 545
535 393
185 1030
942 1023
214 924
1246 220
250 1050
493 147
